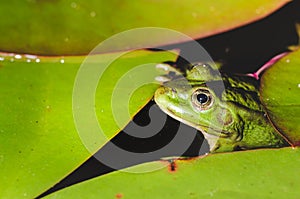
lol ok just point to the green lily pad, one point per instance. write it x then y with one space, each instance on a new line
280 93
38 138
76 26
252 174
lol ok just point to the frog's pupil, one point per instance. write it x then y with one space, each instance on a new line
202 98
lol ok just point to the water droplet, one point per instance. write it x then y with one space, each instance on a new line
298 85
37 60
62 61
28 60
1 58
74 5
194 14
31 56
93 14
259 10
287 61
18 56
48 108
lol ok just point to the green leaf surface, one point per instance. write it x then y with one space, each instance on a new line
39 143
280 90
259 174
76 26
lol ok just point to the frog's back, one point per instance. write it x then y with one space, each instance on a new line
242 90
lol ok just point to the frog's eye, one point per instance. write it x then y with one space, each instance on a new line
202 99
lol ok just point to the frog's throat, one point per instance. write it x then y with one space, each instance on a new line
211 137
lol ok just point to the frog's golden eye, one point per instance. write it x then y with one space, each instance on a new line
202 99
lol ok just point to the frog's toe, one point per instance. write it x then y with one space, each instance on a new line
167 68
164 67
162 79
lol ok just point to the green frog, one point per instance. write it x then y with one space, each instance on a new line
225 108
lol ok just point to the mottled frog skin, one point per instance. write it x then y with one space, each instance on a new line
225 108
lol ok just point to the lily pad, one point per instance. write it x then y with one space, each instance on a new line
64 27
38 138
280 93
251 174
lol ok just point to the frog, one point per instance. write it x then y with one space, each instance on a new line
225 108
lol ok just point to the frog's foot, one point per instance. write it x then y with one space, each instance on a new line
267 65
169 72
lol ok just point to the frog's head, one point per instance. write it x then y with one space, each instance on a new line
196 100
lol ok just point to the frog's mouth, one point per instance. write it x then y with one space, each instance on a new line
212 137
207 131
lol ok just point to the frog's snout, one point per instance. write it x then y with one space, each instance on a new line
164 94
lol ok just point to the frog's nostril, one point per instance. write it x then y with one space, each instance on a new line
161 91
170 92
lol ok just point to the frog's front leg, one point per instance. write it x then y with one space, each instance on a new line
169 70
